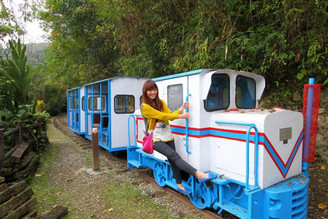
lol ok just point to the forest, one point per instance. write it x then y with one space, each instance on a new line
285 41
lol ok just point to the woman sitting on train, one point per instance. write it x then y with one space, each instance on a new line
154 110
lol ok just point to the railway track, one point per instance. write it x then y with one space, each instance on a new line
60 123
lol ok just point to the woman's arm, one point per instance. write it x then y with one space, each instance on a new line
149 112
184 106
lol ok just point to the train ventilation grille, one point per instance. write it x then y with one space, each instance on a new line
299 203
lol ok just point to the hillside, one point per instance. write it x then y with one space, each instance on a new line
35 52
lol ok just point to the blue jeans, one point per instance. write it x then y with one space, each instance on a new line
176 162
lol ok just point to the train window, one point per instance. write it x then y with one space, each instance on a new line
71 102
140 100
124 104
174 96
74 103
245 92
218 95
96 103
82 103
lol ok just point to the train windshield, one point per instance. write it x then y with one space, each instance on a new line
218 94
175 96
245 92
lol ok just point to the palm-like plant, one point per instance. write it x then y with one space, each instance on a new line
16 71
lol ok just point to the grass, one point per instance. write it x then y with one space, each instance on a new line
124 197
45 192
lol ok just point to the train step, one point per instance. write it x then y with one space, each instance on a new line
134 163
143 153
105 132
233 209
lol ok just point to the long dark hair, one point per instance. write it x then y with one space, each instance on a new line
156 103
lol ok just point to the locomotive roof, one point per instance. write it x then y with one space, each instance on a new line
104 80
199 71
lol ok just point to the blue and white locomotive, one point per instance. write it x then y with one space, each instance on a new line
255 153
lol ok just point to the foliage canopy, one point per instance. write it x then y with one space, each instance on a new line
96 39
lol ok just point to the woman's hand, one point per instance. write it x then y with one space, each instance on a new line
184 116
184 106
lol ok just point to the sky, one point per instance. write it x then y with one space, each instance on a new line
34 32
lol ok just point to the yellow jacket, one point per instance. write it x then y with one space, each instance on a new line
161 116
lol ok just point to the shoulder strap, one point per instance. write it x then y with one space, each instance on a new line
154 125
146 125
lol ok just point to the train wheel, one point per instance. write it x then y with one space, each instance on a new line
159 171
203 196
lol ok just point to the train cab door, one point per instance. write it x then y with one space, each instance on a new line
96 108
174 92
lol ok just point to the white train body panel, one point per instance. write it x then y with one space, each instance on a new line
123 87
82 113
278 158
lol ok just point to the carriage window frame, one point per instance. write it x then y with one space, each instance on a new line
241 106
126 108
212 86
96 106
174 100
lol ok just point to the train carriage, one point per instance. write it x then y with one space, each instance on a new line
104 104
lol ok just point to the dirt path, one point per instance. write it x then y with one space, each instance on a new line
66 178
318 192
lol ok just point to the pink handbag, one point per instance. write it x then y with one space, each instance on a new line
147 144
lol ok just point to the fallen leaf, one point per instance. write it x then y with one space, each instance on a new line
322 206
302 182
104 211
122 170
323 167
68 181
303 176
111 209
37 175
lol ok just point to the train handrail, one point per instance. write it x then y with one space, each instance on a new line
256 140
134 128
187 127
